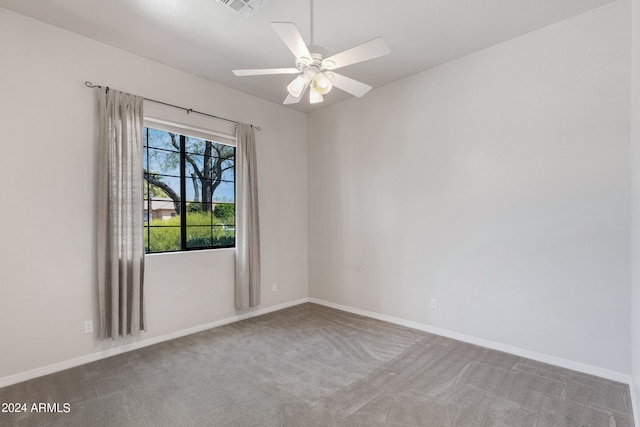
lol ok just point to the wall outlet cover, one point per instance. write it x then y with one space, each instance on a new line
88 326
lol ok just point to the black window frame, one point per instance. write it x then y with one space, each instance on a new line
184 247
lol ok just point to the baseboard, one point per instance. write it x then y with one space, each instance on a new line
540 357
634 402
517 351
71 363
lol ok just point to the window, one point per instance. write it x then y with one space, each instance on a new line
189 192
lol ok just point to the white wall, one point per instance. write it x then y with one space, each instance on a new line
498 183
48 202
635 199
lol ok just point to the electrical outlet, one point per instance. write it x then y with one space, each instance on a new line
274 287
88 326
434 303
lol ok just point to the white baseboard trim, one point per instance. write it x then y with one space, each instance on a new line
540 357
517 351
634 402
77 361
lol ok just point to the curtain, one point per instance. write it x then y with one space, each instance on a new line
247 222
120 215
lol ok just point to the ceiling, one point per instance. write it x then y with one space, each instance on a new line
208 39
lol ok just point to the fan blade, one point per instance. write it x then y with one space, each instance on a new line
294 100
290 35
367 50
349 85
265 71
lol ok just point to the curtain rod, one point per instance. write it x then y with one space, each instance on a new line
188 110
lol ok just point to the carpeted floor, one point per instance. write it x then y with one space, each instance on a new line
314 366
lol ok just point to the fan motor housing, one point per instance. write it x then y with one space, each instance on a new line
316 60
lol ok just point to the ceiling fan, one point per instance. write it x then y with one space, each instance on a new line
316 72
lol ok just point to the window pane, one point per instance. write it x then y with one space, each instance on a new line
164 213
162 239
162 162
161 187
195 169
211 190
199 218
228 171
195 145
199 236
224 235
195 164
194 207
210 236
162 139
224 214
227 163
225 192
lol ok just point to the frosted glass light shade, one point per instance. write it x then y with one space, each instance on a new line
296 87
314 95
322 83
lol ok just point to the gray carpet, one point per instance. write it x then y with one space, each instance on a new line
314 366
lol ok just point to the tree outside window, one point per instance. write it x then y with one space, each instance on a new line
189 193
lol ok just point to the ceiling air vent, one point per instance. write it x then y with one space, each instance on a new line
243 7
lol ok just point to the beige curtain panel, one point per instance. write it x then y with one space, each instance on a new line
120 215
247 220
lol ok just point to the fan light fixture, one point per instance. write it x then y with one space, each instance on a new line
315 96
314 71
297 86
322 83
